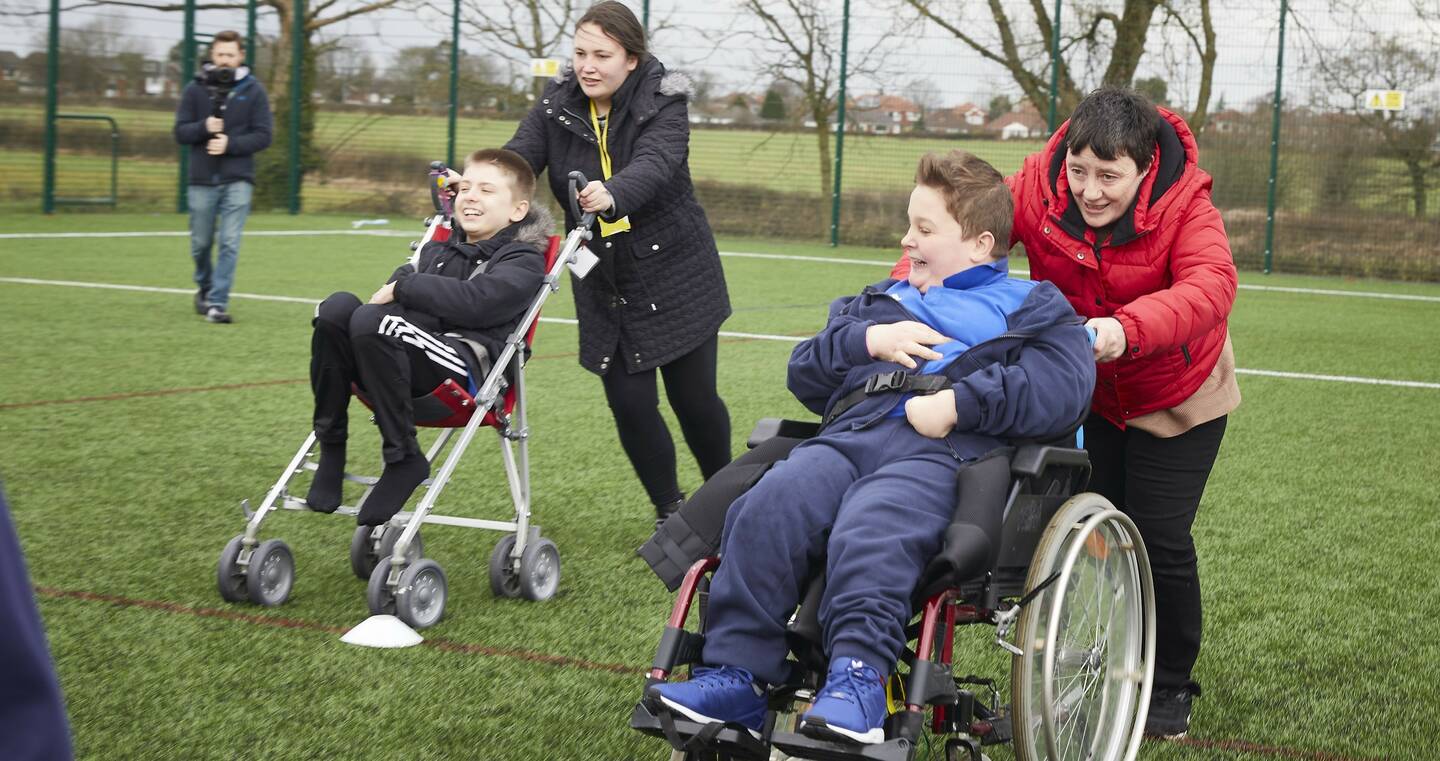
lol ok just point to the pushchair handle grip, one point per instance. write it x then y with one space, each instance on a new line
577 182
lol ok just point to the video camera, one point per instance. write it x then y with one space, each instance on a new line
219 81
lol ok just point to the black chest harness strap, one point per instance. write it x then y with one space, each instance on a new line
897 381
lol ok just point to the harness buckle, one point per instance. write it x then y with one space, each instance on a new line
891 381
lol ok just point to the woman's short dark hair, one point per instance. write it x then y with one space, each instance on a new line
1114 122
619 22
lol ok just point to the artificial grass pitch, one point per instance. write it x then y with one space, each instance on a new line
1316 535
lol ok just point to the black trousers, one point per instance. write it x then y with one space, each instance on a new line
1158 483
704 421
390 354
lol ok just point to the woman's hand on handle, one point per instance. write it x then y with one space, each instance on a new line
594 197
1109 338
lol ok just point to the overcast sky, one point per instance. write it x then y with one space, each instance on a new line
1246 33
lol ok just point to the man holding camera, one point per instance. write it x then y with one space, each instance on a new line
224 116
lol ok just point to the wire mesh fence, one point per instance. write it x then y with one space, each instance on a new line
1350 193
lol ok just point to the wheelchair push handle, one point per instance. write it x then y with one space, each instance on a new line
578 183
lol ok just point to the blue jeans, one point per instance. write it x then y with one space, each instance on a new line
230 205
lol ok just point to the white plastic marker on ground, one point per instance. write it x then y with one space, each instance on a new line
382 631
725 333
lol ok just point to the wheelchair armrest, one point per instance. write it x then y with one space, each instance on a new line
771 427
1032 460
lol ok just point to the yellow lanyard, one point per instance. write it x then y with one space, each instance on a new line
601 131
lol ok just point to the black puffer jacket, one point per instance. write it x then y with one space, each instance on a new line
659 291
487 307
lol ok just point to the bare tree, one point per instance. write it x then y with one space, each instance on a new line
522 29
800 44
1101 30
1410 136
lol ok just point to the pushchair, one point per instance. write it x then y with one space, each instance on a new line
390 557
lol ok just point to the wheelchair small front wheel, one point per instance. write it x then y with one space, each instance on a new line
421 594
390 536
363 556
271 573
1087 640
539 570
229 576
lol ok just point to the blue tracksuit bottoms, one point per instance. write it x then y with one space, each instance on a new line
874 503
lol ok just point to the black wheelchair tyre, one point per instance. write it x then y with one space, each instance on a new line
229 576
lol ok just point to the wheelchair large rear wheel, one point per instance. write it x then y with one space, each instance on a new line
1082 681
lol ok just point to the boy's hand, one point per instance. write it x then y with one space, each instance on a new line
1109 338
385 295
933 415
897 341
217 144
214 125
594 197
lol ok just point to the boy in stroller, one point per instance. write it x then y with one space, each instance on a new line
1002 359
444 316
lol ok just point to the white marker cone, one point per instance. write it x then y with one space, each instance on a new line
382 631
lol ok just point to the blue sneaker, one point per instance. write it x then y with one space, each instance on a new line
850 707
727 694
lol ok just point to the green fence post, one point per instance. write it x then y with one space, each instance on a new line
252 48
840 129
1275 144
1054 65
52 104
297 86
645 15
187 69
454 82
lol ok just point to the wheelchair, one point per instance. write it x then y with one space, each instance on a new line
390 557
1067 588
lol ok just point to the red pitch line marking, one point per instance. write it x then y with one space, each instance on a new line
449 646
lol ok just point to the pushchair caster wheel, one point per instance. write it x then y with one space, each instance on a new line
366 550
229 575
503 580
378 594
420 597
539 570
271 574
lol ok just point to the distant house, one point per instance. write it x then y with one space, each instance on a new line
1227 122
883 114
734 108
1022 124
959 120
9 66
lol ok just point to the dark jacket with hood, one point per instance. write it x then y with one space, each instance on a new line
659 290
484 307
1031 382
247 124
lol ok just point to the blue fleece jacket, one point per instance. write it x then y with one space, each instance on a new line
248 124
1031 380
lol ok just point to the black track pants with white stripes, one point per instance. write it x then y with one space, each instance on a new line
392 358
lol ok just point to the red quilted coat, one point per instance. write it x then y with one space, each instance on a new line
1166 273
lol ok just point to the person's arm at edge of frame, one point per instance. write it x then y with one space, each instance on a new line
1202 290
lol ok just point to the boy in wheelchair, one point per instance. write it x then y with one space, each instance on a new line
441 318
872 494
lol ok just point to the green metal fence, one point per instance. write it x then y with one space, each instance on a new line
1308 175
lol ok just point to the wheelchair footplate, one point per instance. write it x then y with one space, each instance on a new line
723 741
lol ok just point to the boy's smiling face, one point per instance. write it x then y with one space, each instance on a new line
485 201
935 243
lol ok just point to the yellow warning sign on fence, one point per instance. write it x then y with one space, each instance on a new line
1385 100
544 67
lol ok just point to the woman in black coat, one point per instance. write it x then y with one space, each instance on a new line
658 297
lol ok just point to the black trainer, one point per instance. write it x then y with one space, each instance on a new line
201 304
1169 717
217 313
